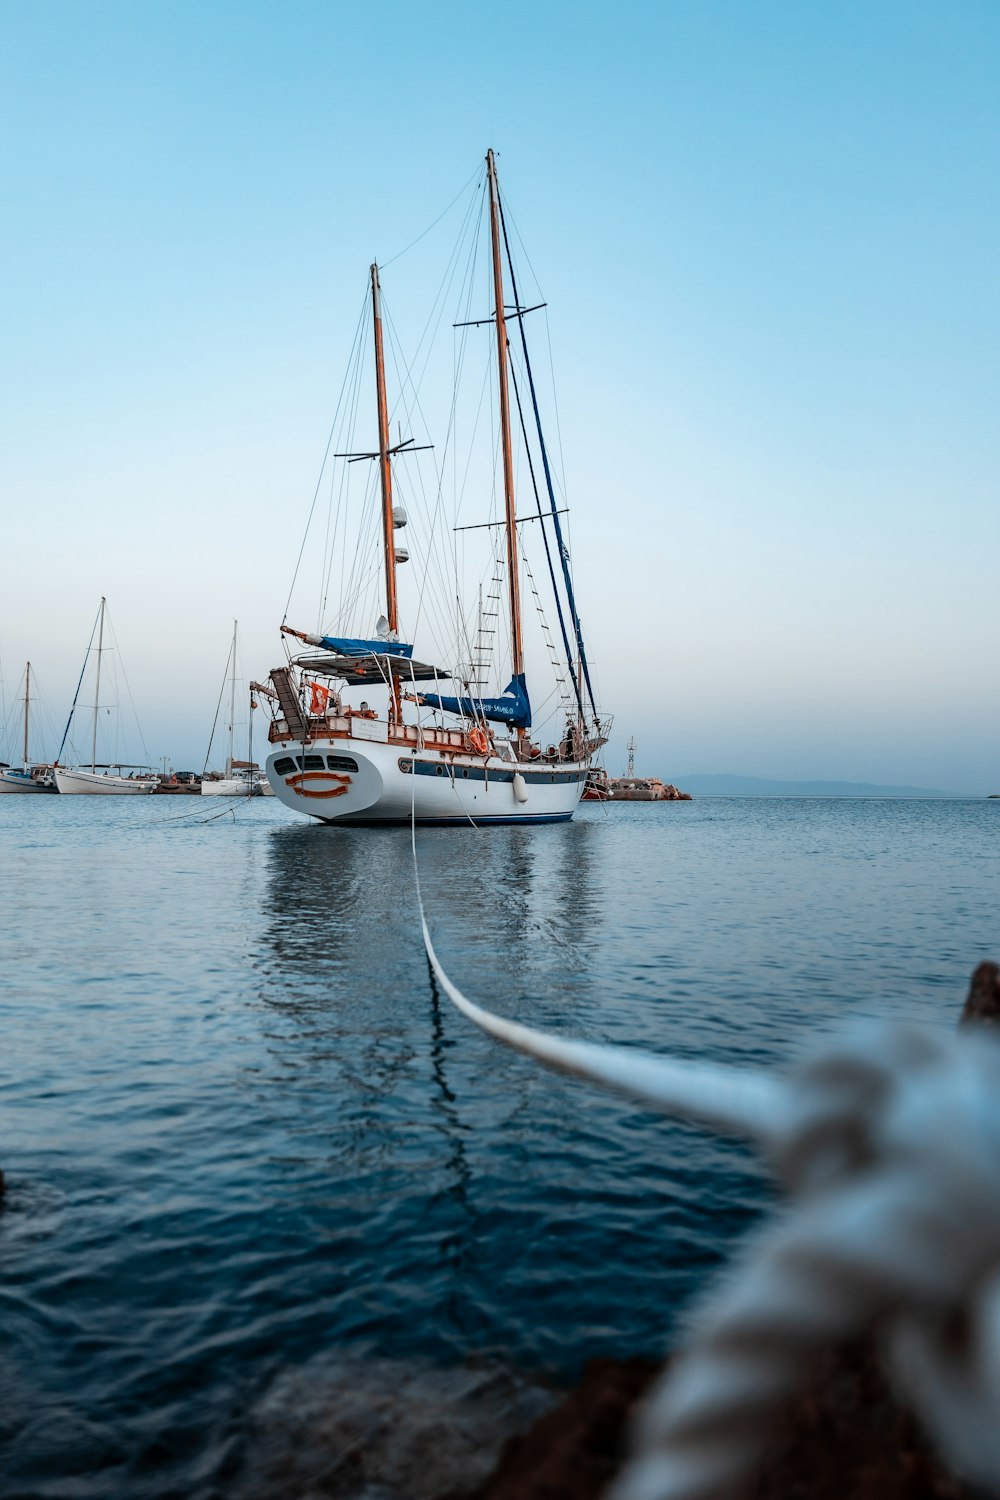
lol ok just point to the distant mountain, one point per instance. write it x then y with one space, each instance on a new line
760 786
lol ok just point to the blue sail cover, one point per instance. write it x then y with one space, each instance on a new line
513 708
347 646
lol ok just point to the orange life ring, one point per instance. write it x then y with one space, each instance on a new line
479 741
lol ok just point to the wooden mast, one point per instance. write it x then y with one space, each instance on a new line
385 470
513 580
27 685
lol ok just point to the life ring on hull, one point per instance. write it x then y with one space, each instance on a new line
479 740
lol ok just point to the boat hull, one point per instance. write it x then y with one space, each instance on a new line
230 786
22 781
344 780
95 784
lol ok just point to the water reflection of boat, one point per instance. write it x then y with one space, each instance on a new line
385 1091
470 759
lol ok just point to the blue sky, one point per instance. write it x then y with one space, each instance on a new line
768 235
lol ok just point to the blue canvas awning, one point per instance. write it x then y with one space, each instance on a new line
512 708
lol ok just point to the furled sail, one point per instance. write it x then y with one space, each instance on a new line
349 646
512 708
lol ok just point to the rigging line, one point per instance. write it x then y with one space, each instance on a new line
464 188
437 306
548 335
344 496
563 553
322 469
555 405
365 545
120 662
336 509
451 438
545 538
222 689
404 379
367 479
347 420
79 685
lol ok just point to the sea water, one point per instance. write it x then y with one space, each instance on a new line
249 1148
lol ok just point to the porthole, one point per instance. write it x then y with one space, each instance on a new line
309 762
439 771
284 765
341 763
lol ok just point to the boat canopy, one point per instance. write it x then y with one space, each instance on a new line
347 646
512 708
367 670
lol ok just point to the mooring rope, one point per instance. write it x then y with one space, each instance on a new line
889 1143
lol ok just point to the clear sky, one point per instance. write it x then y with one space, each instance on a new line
768 234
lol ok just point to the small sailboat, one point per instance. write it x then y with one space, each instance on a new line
27 777
464 758
241 778
102 779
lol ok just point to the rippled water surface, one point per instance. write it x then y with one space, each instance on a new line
246 1145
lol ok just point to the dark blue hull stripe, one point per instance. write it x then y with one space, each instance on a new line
460 821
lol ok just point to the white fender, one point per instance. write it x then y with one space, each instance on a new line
520 790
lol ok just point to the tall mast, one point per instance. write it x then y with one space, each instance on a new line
27 684
385 470
232 700
97 687
513 581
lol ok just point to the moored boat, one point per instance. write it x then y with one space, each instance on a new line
28 776
461 758
101 779
241 778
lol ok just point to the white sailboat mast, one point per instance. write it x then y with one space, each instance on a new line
232 699
27 685
97 686
513 580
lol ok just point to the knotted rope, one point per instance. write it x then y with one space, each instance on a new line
889 1143
891 1151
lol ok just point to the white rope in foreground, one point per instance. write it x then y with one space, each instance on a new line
889 1142
731 1100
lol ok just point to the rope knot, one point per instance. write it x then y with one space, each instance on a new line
890 1143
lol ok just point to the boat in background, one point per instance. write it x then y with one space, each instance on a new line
241 778
102 779
27 777
633 788
598 787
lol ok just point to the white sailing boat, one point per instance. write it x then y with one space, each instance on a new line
241 778
101 779
450 759
27 777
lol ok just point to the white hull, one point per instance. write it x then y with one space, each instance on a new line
18 781
366 783
97 784
232 786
